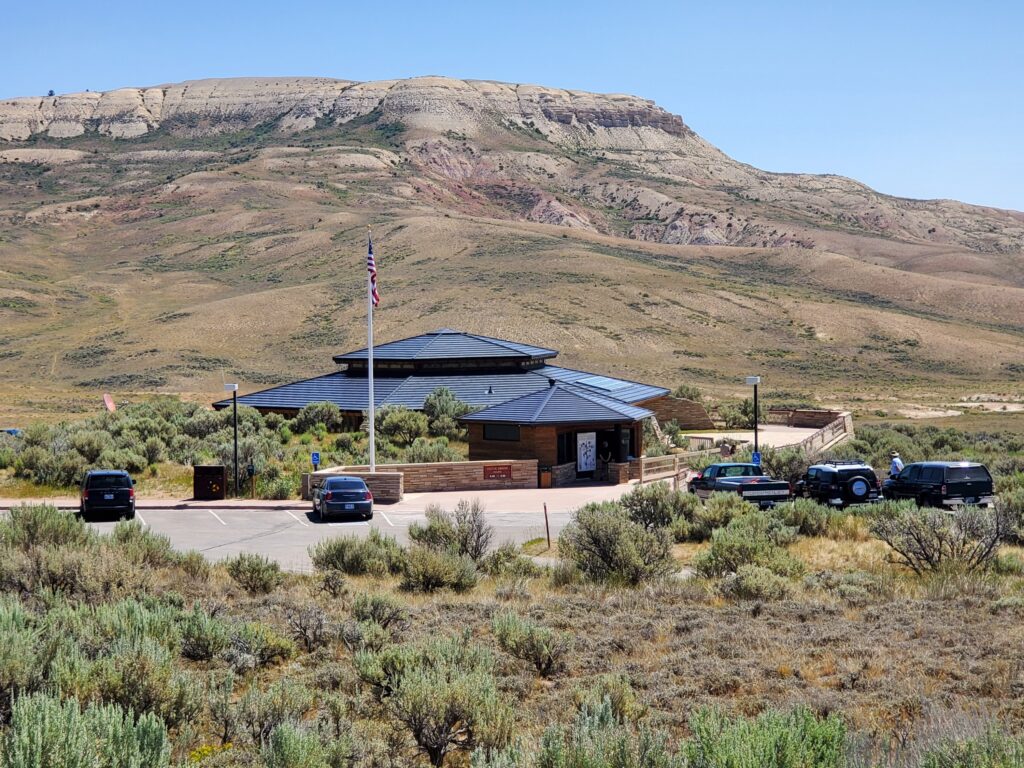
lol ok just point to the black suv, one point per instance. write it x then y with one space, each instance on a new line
840 483
942 484
108 490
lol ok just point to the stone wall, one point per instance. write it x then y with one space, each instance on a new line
563 474
689 414
386 487
618 474
455 475
805 417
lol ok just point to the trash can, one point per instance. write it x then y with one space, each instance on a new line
209 482
544 477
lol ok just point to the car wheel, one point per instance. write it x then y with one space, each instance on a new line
923 501
368 517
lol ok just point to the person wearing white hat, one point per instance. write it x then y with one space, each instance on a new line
896 466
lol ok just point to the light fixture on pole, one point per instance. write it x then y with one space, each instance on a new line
233 389
753 381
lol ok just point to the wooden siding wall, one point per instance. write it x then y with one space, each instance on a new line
540 443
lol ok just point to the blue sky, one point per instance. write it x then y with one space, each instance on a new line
922 99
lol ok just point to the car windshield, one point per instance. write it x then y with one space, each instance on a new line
108 481
346 484
966 474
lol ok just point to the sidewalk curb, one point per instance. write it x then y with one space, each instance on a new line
173 505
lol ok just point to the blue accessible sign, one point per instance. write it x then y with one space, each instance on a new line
314 458
756 458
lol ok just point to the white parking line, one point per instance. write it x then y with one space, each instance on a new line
387 519
217 516
141 518
300 522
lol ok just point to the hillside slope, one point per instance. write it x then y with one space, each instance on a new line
164 237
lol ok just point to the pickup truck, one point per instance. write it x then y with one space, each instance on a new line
748 480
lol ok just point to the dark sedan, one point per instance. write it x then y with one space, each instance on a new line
108 491
343 496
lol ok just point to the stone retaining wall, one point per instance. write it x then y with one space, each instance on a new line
386 487
563 474
689 414
453 476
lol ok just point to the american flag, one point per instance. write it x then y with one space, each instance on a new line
371 267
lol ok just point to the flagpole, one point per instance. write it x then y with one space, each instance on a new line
369 371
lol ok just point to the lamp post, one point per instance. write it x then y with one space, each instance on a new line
233 389
753 381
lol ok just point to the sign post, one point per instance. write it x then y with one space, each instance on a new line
756 458
547 526
314 459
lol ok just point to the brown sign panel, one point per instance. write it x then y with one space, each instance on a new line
498 472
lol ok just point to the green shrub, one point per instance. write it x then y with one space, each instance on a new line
46 731
195 565
400 424
754 582
91 443
382 609
688 392
718 511
260 711
617 691
426 451
444 692
256 574
325 413
658 506
607 546
428 570
443 409
753 539
462 532
254 644
1011 503
280 488
309 625
140 545
292 747
797 739
807 516
741 416
789 464
929 539
203 636
367 635
43 525
526 640
993 749
378 555
508 562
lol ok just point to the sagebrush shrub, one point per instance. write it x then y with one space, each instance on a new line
605 545
508 562
255 573
428 570
753 539
807 516
423 450
464 531
993 749
324 413
41 525
658 506
797 739
260 711
140 545
203 636
400 424
718 511
755 582
930 539
383 609
45 731
255 644
377 554
526 640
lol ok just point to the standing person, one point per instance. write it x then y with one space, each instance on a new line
604 458
725 451
896 465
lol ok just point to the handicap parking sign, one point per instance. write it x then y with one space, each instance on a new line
314 457
756 458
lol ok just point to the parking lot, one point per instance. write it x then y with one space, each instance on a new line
285 531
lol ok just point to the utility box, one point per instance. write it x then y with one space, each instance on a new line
209 482
544 477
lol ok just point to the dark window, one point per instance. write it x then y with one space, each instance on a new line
741 470
967 474
506 432
345 484
931 474
847 474
108 481
914 473
812 474
566 447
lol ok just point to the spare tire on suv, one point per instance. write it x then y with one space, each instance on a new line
840 484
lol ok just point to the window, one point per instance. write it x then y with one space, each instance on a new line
345 484
566 447
931 475
109 481
967 474
506 432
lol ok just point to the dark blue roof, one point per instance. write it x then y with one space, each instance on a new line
446 344
560 404
484 389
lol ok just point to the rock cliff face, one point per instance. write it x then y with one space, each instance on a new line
204 107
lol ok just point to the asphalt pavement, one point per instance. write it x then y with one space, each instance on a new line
284 531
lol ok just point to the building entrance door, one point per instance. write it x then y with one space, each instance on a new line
586 453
